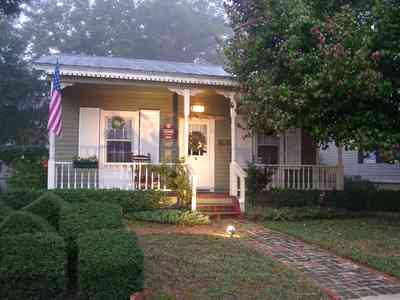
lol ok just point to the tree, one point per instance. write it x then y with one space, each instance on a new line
21 91
329 68
10 7
155 29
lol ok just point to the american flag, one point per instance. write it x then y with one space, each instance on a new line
55 112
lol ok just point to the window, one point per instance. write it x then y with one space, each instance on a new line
198 139
267 149
119 139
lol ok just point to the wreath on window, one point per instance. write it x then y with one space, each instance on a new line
197 142
117 122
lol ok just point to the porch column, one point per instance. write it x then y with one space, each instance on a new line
340 169
186 114
51 166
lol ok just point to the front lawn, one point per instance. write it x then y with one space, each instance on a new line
212 267
373 241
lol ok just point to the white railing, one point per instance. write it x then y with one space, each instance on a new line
238 183
193 184
300 177
128 176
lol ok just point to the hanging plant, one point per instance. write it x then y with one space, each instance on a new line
117 122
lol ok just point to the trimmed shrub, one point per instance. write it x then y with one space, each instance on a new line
19 199
48 206
79 218
288 198
130 201
290 213
24 222
32 266
5 210
171 216
110 265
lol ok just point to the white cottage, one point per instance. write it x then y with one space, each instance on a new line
133 113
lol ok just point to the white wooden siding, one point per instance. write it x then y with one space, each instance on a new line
379 173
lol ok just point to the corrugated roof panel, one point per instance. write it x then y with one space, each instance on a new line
139 65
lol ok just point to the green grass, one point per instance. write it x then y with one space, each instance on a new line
207 267
373 241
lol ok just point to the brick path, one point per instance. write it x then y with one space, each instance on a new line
340 278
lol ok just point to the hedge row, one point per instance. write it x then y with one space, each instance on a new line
24 222
32 266
130 201
352 198
110 265
48 206
79 218
5 210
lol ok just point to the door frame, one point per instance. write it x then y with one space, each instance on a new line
211 133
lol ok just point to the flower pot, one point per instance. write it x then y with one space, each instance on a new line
84 164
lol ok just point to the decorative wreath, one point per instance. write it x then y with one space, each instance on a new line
117 122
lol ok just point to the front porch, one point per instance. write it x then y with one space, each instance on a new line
115 116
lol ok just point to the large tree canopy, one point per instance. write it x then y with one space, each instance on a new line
183 30
330 67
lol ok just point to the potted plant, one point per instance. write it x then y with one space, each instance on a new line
86 163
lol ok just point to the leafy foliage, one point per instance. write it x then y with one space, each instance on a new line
5 210
326 67
24 222
261 213
256 181
32 266
9 7
48 206
177 179
115 253
171 216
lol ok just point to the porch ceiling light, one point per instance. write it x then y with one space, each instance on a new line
197 108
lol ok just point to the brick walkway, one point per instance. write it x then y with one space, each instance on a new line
338 277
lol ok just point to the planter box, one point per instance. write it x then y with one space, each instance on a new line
85 164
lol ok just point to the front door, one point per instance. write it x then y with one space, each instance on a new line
200 155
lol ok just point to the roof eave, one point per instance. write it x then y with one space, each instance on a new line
139 76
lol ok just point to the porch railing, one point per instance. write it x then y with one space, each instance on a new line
238 183
128 176
300 177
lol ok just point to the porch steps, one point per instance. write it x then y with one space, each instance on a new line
218 205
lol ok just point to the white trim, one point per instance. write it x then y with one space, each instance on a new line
140 76
211 140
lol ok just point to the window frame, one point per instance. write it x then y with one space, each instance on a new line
276 144
134 115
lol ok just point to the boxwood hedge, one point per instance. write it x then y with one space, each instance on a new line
48 206
130 201
110 265
5 210
24 222
79 218
32 266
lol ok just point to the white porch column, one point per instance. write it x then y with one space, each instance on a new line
186 114
51 166
340 169
233 129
